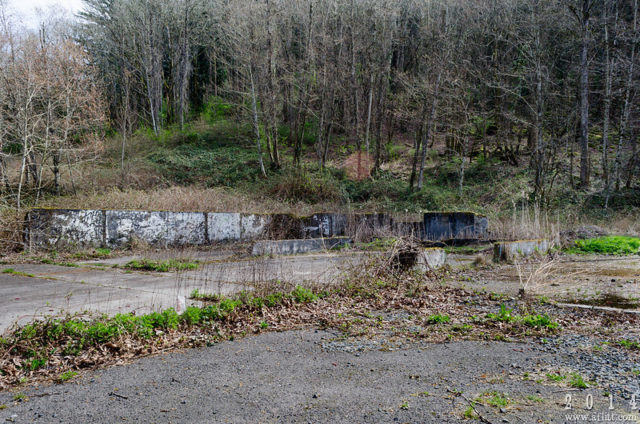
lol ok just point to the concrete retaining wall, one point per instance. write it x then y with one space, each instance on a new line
69 228
64 228
509 250
454 225
292 247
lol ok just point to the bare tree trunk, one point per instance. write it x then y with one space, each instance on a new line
607 97
417 144
465 144
124 125
539 152
366 137
256 127
633 159
430 124
183 76
584 96
25 152
626 110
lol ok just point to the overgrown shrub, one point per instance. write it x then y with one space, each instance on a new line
306 187
216 108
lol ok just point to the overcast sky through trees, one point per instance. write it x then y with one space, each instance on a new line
27 8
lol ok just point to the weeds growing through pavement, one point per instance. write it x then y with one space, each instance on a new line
438 319
162 266
66 376
577 381
365 302
18 273
531 320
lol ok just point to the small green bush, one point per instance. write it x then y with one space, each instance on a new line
303 295
229 305
577 381
192 315
36 363
438 319
216 109
540 321
505 315
274 299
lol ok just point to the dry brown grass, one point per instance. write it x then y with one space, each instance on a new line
11 230
525 224
182 199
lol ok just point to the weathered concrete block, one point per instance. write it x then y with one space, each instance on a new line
292 247
185 228
509 250
124 226
454 225
324 225
369 225
431 258
253 226
224 227
64 228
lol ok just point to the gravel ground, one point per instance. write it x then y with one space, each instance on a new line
319 376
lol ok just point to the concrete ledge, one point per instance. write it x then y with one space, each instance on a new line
431 258
509 250
292 247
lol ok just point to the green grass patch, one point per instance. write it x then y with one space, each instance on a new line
470 414
577 381
609 245
12 271
497 400
378 244
537 321
535 399
206 297
557 377
48 261
66 376
99 253
465 250
162 266
629 344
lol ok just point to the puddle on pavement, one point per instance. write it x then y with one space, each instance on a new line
610 300
616 272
